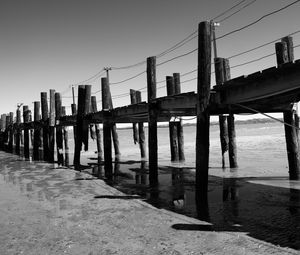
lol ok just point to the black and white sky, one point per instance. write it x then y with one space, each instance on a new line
55 44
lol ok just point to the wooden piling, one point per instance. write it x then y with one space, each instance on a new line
65 138
87 109
59 131
134 124
141 130
74 112
220 78
106 128
18 131
203 117
45 122
172 125
37 134
11 133
180 137
97 128
26 131
152 121
284 54
52 126
232 148
232 151
79 123
114 133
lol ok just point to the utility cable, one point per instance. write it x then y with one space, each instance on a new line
228 10
258 20
242 8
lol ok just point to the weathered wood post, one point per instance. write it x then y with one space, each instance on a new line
87 109
45 122
79 124
180 136
232 148
74 112
141 130
97 127
52 126
18 130
152 121
3 125
37 134
172 124
114 133
59 132
107 126
26 131
134 124
220 78
203 117
6 132
66 138
284 54
11 133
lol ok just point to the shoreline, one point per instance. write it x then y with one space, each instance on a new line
51 210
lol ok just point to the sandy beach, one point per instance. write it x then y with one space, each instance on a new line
50 210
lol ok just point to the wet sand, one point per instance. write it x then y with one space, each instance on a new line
45 209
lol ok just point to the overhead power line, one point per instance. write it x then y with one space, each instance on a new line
258 20
240 9
228 10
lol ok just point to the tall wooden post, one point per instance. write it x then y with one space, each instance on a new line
220 78
79 124
180 137
66 138
172 125
203 117
18 134
37 133
106 129
52 126
97 127
141 130
74 112
114 133
232 148
134 125
26 131
59 134
3 123
44 106
87 109
11 133
284 54
152 121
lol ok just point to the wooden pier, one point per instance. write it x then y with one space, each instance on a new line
272 90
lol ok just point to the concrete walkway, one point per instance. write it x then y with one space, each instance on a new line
47 210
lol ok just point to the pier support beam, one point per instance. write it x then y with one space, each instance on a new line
37 133
180 137
18 131
59 132
107 129
172 125
26 131
98 134
285 54
203 117
45 122
152 121
141 130
220 78
52 126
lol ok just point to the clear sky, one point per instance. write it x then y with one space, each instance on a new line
54 44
